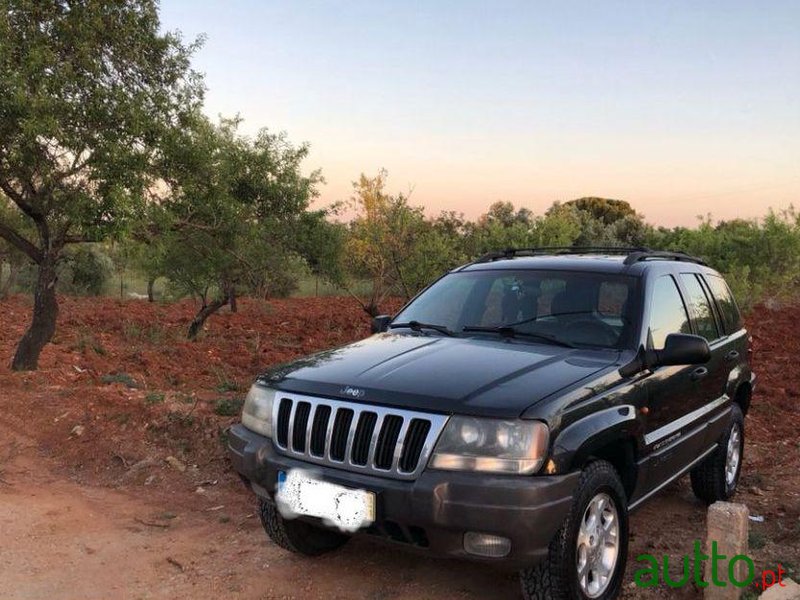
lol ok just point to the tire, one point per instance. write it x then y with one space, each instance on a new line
298 536
557 576
711 479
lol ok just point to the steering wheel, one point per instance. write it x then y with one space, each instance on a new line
592 331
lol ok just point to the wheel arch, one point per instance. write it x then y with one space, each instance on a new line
743 396
609 435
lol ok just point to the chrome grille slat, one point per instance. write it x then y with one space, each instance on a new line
393 418
309 427
290 437
398 448
373 442
326 454
351 436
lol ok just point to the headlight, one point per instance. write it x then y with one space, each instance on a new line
257 410
494 445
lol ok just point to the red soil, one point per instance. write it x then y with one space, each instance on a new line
78 411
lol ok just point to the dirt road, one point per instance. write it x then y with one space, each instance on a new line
65 541
61 540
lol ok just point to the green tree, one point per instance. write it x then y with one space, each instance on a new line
88 90
605 210
320 242
390 244
230 220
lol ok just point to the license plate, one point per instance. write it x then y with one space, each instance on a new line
302 493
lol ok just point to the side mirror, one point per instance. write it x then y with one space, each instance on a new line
380 323
681 349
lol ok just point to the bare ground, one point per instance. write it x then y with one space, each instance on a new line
100 514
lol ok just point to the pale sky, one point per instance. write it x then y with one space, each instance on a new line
680 108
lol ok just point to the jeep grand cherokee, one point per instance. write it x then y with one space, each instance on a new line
516 410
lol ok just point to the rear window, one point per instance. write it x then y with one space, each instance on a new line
731 318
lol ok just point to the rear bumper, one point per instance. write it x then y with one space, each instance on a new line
433 512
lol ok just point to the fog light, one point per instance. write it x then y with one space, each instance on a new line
484 544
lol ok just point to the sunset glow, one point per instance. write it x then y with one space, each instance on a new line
681 109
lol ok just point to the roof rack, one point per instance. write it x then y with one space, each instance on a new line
551 250
635 257
633 254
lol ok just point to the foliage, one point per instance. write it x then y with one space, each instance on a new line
86 270
759 258
605 210
390 243
229 221
88 92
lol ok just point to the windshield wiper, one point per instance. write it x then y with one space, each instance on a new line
508 331
417 326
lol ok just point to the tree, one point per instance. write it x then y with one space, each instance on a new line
604 209
88 90
320 243
229 222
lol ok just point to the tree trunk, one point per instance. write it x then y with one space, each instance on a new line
151 282
43 324
206 311
232 299
371 308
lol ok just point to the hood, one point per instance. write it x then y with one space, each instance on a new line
474 376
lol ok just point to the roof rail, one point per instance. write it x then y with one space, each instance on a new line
551 250
633 254
635 257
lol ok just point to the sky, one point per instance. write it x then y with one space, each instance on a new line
680 108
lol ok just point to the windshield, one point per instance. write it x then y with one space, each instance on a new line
568 307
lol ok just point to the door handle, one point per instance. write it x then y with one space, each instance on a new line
699 373
732 355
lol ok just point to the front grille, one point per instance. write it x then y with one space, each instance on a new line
358 437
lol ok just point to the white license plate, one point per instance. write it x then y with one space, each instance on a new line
301 493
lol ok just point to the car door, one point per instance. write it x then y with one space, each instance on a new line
729 351
672 436
713 376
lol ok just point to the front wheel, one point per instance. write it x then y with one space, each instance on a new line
717 476
297 536
586 560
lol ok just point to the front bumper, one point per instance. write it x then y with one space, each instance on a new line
433 512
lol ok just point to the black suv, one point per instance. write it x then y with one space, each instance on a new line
516 410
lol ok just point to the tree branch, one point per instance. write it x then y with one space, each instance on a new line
18 199
21 243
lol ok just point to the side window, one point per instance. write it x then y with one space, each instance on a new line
667 312
727 305
700 306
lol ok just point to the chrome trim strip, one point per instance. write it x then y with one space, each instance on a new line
437 422
685 420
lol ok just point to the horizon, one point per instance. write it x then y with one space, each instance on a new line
681 110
